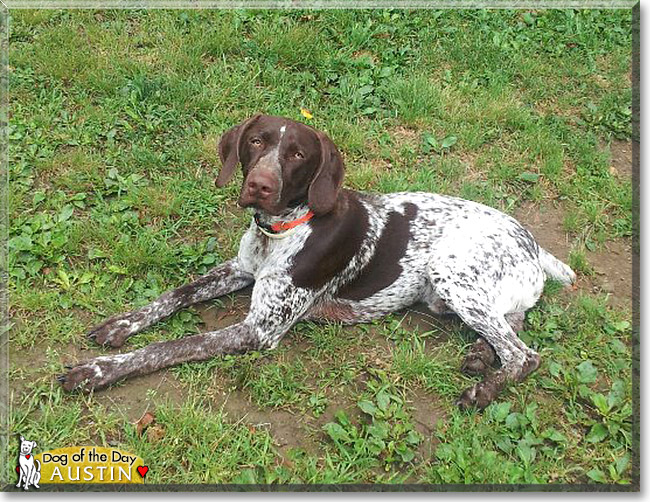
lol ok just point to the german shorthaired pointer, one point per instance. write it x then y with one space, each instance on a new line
317 251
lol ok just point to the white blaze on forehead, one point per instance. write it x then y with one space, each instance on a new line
283 129
274 154
271 161
276 158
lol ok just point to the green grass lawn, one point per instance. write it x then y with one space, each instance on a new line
114 121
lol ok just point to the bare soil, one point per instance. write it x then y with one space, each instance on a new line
427 412
130 398
621 158
287 428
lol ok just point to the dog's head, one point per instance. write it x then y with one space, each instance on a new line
26 447
285 163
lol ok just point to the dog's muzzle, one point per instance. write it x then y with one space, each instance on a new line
261 188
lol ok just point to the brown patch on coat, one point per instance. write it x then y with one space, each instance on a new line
384 268
332 311
335 239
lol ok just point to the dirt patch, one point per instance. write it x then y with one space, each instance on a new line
235 307
26 365
286 428
612 265
547 226
613 269
34 357
420 319
621 158
133 398
426 413
130 399
404 136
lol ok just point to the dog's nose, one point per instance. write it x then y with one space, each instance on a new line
261 184
262 188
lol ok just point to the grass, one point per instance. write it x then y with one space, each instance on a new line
115 118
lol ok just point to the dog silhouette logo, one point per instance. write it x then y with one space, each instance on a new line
29 469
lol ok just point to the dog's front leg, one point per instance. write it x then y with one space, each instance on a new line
105 370
275 306
221 280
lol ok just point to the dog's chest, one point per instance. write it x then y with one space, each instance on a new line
261 254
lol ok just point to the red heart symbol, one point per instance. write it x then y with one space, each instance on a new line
142 470
27 456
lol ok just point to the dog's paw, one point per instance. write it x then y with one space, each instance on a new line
526 366
94 374
480 358
480 395
115 330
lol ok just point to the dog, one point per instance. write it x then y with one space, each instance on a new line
315 250
29 472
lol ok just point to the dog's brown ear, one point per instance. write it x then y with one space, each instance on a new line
229 150
325 186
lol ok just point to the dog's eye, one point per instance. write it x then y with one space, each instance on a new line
298 155
256 142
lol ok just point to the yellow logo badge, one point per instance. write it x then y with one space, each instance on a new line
90 465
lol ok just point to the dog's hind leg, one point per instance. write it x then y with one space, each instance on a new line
517 360
221 280
481 355
479 359
473 304
516 320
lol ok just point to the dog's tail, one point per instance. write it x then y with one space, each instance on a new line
555 269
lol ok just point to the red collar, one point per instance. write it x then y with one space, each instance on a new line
278 228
